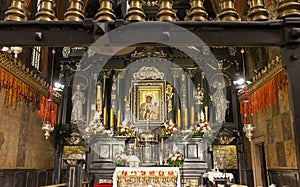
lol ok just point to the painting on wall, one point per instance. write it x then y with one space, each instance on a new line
225 157
148 102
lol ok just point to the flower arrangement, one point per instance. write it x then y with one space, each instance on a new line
95 128
175 159
169 129
120 159
124 130
200 128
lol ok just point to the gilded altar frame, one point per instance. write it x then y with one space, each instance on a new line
152 111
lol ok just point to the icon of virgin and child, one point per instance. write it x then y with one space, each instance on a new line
149 109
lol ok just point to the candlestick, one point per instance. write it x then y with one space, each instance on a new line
119 119
186 117
111 117
178 118
192 114
206 112
104 115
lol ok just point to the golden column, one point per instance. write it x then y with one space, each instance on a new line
166 12
46 11
16 11
135 12
75 11
105 12
197 12
257 11
288 8
228 12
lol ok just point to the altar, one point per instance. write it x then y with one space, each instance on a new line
144 176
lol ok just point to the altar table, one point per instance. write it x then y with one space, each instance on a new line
142 176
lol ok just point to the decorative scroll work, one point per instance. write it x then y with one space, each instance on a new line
148 73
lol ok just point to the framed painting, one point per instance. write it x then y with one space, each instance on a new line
148 102
192 151
104 152
225 157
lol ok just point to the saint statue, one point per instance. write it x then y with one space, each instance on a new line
78 99
221 104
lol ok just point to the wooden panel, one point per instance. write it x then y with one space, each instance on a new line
284 177
24 177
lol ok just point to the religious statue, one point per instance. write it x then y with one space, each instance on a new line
78 99
149 110
221 104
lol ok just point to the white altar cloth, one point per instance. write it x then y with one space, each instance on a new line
147 172
212 176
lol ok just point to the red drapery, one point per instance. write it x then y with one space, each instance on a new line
265 96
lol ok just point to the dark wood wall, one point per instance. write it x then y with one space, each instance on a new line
25 177
286 178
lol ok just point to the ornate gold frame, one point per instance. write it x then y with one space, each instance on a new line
142 89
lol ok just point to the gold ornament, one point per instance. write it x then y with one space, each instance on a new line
166 12
257 11
228 12
16 11
197 12
46 12
288 8
105 12
75 11
135 12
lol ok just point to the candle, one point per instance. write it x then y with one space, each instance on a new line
192 114
186 117
178 118
162 144
206 112
104 115
119 119
135 144
111 117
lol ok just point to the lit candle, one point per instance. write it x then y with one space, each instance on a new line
186 117
192 114
119 119
104 115
111 117
178 118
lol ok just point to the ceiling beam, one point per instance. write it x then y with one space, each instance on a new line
213 33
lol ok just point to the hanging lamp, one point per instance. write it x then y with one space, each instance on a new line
248 127
49 116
